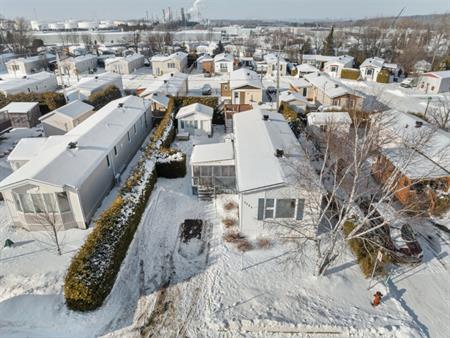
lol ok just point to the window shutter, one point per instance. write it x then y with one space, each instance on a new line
300 208
260 209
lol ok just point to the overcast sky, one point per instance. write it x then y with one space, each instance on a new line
216 9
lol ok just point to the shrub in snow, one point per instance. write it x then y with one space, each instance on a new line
232 236
350 73
170 163
383 76
93 270
243 245
263 243
365 252
229 222
230 205
100 99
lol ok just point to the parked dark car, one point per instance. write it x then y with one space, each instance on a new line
405 241
206 89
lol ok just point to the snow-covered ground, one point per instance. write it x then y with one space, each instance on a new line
209 289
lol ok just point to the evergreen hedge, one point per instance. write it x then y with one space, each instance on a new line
93 270
350 73
170 168
48 101
383 76
102 98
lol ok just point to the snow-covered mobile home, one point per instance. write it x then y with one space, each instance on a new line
63 179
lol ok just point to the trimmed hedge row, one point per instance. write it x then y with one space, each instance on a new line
291 117
48 101
170 168
350 73
93 270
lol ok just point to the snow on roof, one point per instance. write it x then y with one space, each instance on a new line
307 68
164 58
318 57
214 152
443 74
27 148
273 58
19 107
413 164
95 137
256 143
224 57
373 62
82 58
20 83
330 86
92 83
244 77
126 59
195 109
342 60
160 99
167 84
429 141
323 118
289 96
72 110
299 83
30 59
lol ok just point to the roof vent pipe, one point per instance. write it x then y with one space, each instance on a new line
72 145
279 153
419 124
266 117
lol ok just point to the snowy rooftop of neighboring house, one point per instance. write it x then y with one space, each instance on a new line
443 74
214 152
129 58
413 164
323 118
407 129
92 83
318 57
27 148
342 60
19 107
273 58
83 58
299 83
244 77
331 87
72 110
30 59
224 57
167 84
12 84
95 138
256 143
373 62
307 68
195 109
289 96
159 99
163 58
205 58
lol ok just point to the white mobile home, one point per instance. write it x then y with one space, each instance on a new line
124 65
35 83
334 67
79 65
272 174
195 119
223 63
245 86
72 173
88 86
339 122
371 67
272 62
26 66
169 64
435 82
65 118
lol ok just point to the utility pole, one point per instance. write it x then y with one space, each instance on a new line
278 77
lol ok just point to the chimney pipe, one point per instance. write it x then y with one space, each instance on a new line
279 153
266 117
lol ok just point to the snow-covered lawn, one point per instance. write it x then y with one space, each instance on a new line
166 288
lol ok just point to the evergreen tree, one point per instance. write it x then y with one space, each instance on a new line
306 47
219 49
328 44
